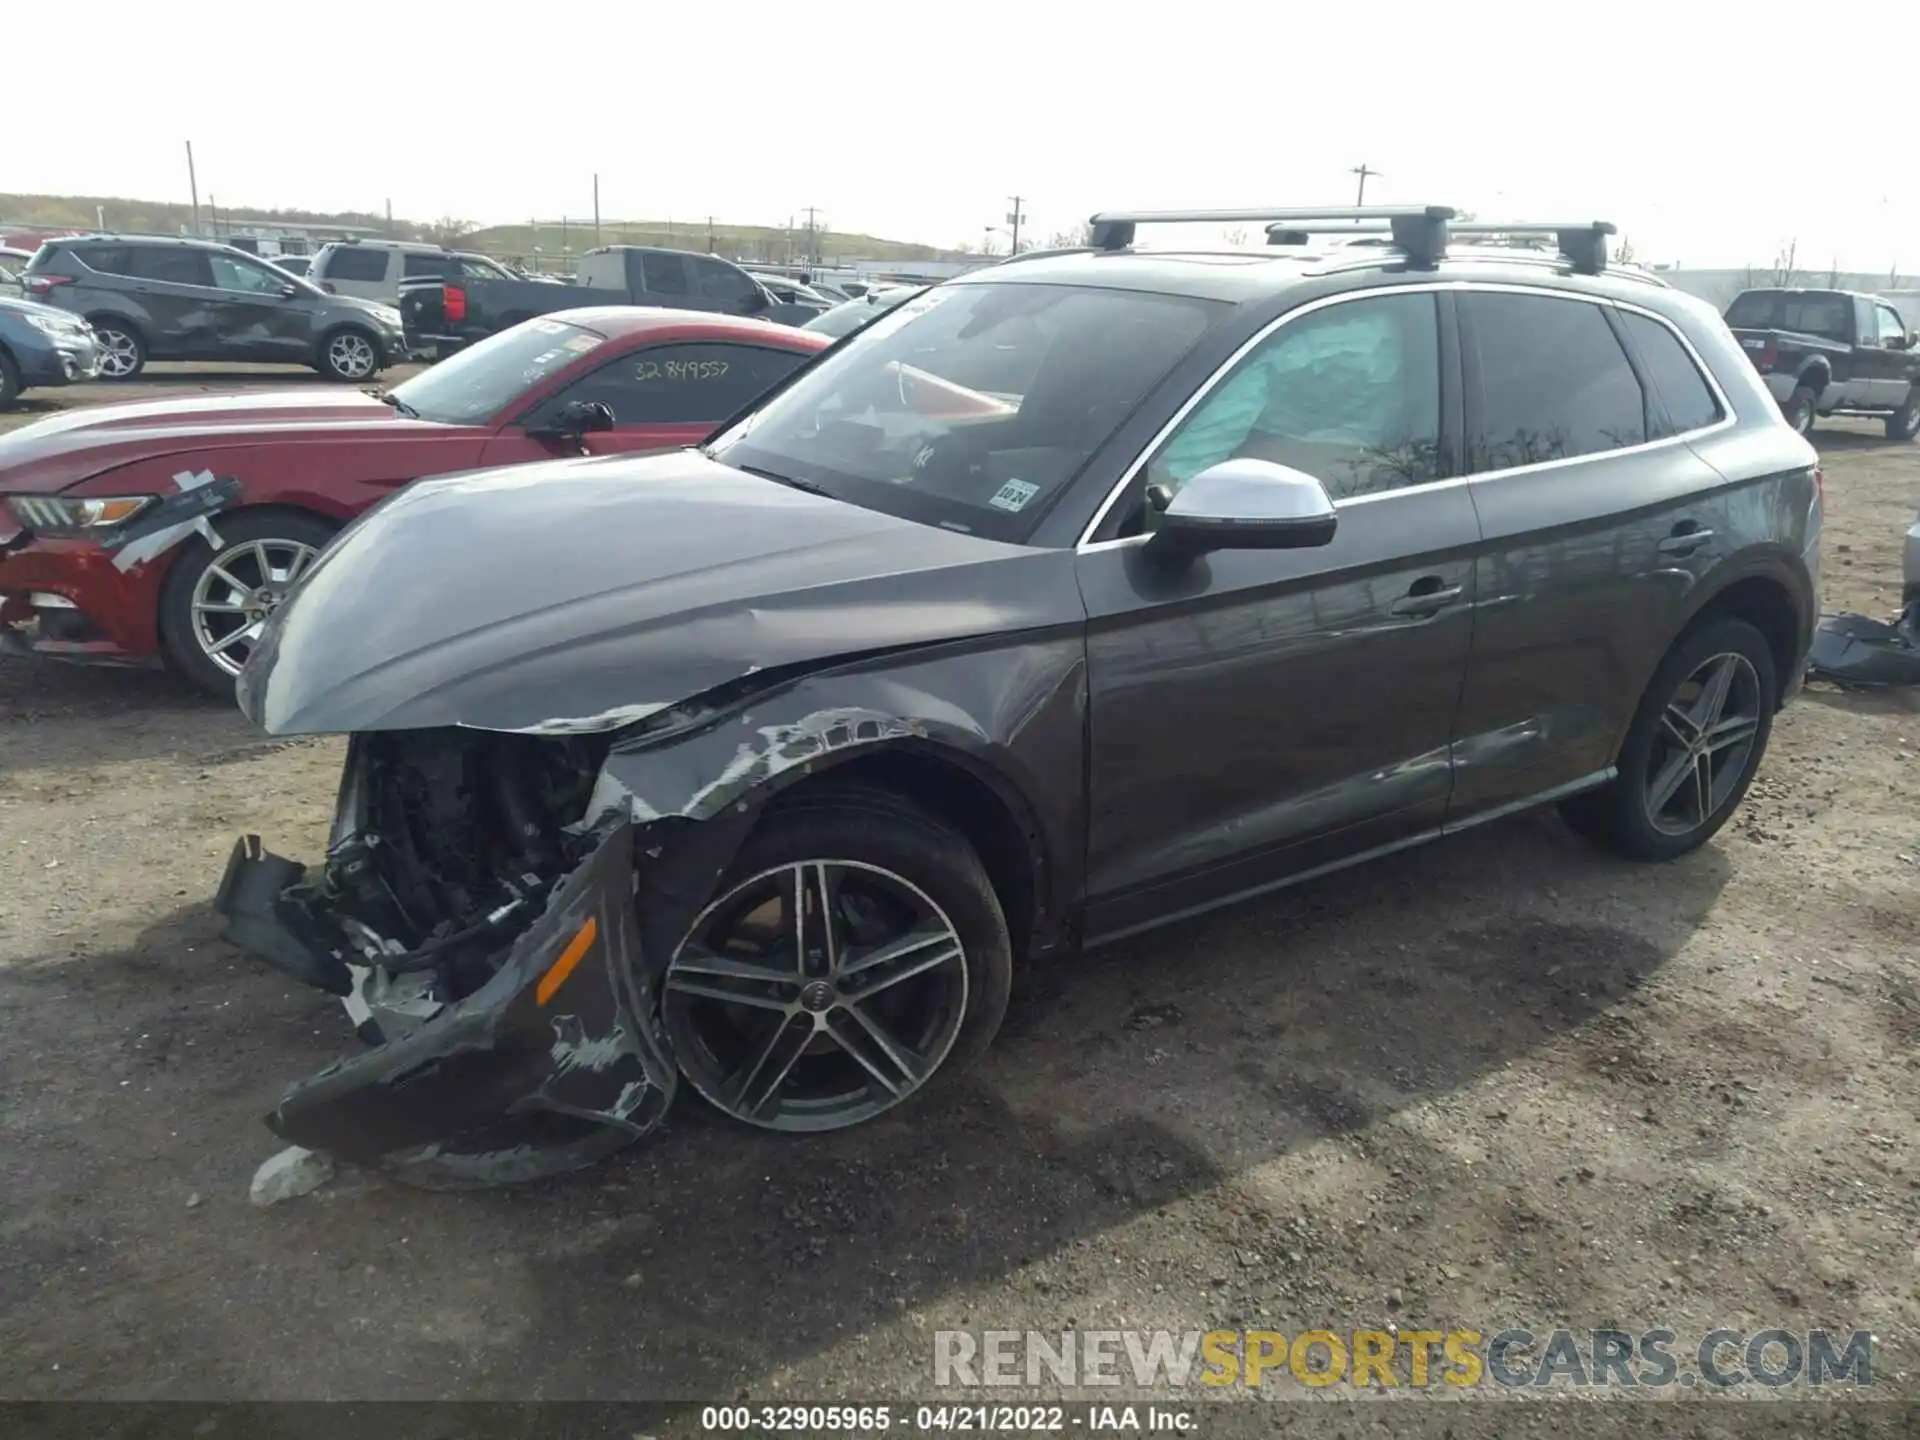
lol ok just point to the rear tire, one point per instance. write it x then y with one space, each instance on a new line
123 350
10 386
1800 410
1904 423
1714 760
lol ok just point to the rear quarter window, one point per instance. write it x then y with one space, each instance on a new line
353 263
1682 390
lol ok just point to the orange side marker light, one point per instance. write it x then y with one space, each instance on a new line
570 957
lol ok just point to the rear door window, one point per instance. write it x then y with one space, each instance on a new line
170 264
1553 381
351 262
684 384
424 267
663 273
1683 391
721 283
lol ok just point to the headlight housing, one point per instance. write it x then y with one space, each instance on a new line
55 325
74 516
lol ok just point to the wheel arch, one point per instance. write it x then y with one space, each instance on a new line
1770 601
981 804
1816 374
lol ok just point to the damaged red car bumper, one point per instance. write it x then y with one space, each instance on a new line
97 600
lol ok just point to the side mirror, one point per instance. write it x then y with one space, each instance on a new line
1242 505
1900 342
289 292
575 421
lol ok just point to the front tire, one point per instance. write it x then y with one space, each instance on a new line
854 955
1904 423
1692 749
213 605
1801 408
123 350
10 386
349 355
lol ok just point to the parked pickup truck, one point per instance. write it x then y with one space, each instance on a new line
444 315
1830 352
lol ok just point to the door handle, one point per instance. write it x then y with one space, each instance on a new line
1427 597
1684 542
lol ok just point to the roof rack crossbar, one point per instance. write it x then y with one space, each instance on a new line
1582 242
1420 230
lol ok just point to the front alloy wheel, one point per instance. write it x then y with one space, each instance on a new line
854 955
351 356
816 995
244 584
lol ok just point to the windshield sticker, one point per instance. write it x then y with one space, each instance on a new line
924 302
581 344
1014 495
680 370
552 327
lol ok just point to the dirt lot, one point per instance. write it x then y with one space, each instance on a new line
1504 1081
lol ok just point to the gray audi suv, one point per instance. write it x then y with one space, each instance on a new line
1067 599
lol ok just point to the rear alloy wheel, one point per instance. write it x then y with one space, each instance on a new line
854 952
123 354
349 356
214 606
1692 750
1800 409
1904 423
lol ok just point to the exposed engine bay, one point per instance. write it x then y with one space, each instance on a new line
464 884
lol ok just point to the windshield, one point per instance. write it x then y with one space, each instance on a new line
1823 315
973 405
847 318
479 382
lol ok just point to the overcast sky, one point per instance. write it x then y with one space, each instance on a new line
1711 132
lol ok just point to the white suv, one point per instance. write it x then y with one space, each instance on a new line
373 269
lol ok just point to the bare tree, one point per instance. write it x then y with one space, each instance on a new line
1236 235
449 229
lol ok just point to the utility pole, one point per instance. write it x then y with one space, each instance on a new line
193 186
596 209
813 237
1363 171
1014 217
213 215
709 235
389 219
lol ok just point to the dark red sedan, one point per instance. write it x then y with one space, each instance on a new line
170 529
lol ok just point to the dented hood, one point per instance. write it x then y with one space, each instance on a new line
62 450
583 595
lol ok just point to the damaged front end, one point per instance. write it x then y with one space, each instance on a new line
481 930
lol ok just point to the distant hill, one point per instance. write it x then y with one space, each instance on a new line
747 242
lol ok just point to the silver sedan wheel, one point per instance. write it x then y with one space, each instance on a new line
351 356
816 995
119 353
238 590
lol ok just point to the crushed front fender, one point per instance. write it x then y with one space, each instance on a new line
553 1063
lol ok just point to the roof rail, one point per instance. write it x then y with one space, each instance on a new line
1419 230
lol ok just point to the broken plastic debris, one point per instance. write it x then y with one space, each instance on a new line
295 1171
1856 650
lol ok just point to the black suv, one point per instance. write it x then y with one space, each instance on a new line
1070 598
162 298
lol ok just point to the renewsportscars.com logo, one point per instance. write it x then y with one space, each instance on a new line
1655 1359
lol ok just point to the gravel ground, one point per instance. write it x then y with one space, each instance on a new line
1502 1081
